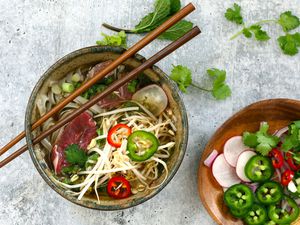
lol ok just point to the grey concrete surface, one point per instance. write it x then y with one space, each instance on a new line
36 33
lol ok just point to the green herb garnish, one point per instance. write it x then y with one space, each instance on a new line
75 155
163 9
132 85
95 89
292 140
73 169
288 21
289 43
234 14
114 40
261 141
183 77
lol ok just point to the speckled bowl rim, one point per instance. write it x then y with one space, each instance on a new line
175 93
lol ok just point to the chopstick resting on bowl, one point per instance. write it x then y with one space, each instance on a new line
130 52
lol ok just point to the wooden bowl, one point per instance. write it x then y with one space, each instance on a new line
277 112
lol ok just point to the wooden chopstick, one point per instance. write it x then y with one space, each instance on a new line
126 55
117 84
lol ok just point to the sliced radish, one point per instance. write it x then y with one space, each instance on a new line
241 163
233 148
224 173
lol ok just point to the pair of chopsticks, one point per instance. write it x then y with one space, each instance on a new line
126 55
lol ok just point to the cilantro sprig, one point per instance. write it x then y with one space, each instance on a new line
261 141
289 43
75 155
292 139
183 77
163 9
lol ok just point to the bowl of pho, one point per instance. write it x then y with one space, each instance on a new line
120 152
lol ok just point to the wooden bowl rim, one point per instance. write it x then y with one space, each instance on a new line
221 129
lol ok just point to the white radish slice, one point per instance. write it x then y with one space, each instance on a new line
224 173
233 148
241 163
292 187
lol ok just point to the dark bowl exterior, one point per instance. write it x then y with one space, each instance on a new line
90 55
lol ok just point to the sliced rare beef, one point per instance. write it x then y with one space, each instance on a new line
79 131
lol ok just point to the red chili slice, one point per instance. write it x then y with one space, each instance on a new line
290 161
118 187
117 133
277 158
286 177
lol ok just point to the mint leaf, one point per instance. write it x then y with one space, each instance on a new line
234 14
288 21
75 155
162 9
177 31
289 43
182 76
175 6
114 40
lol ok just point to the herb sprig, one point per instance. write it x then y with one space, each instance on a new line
183 77
289 43
261 141
163 9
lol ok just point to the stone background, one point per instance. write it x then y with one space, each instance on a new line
36 33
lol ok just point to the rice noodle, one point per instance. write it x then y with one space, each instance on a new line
110 161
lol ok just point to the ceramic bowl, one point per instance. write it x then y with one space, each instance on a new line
87 57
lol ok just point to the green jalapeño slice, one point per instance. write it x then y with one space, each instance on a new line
257 215
239 198
141 145
269 193
259 169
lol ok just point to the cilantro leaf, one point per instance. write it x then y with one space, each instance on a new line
234 14
72 169
177 31
289 43
288 21
261 140
182 76
250 139
292 140
220 89
259 34
114 40
75 155
247 33
149 22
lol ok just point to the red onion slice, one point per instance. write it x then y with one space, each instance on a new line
211 158
282 131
